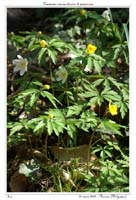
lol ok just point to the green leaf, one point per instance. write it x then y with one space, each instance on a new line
41 55
114 82
71 126
87 120
90 63
123 109
40 127
38 83
109 127
97 66
74 110
33 47
98 82
51 98
58 126
33 99
53 55
15 127
110 95
49 127
29 91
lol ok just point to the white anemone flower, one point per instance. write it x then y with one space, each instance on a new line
106 15
23 169
20 65
62 74
87 69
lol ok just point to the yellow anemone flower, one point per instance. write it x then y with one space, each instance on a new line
43 43
40 33
82 11
113 109
46 87
91 48
50 116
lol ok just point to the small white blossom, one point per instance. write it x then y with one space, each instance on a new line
72 55
106 15
23 169
87 69
20 65
62 74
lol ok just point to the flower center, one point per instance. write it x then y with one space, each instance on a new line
22 64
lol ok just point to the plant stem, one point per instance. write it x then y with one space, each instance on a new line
89 148
46 144
66 87
51 77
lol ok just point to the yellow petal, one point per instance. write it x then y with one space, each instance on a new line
43 43
46 87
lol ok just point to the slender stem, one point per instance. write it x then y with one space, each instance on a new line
77 90
66 87
89 148
51 77
30 142
46 144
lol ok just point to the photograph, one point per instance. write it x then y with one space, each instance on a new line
67 100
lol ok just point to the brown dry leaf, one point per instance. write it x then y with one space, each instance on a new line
18 183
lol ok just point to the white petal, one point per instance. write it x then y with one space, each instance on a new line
22 72
23 169
16 69
26 61
64 80
20 57
58 79
15 62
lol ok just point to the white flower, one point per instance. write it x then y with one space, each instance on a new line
23 169
87 69
62 74
106 15
20 65
72 55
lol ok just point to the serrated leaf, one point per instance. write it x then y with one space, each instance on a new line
33 99
40 127
49 127
41 55
33 47
97 66
114 82
53 55
109 127
110 95
90 63
38 83
29 91
74 110
50 97
98 82
123 109
16 127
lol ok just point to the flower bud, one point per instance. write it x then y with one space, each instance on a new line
40 33
46 87
43 43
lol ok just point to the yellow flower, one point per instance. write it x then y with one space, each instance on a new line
91 48
43 43
50 116
113 109
46 87
82 12
40 33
